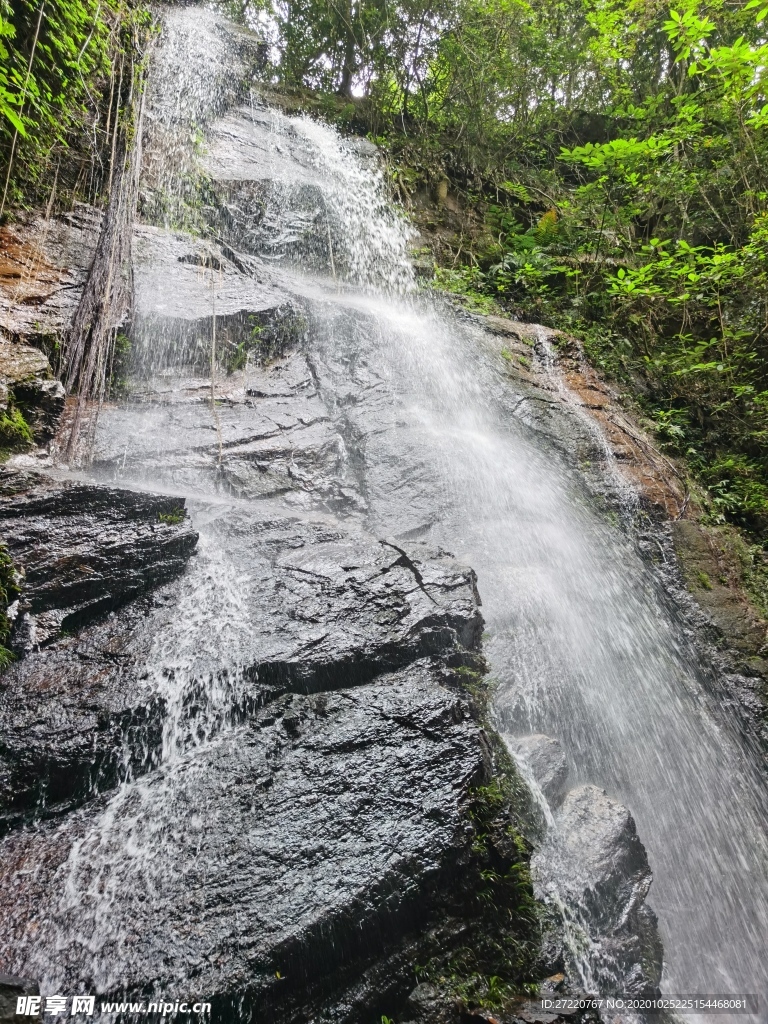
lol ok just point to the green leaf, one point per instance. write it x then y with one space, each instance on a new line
9 113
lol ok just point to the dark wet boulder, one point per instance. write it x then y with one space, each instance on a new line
13 989
593 869
426 1005
545 759
294 848
75 715
84 550
609 863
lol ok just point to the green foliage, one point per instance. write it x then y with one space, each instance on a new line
10 93
9 591
15 432
704 581
175 516
621 152
66 70
467 283
351 47
121 353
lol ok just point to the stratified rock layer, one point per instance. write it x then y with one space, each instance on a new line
84 550
282 852
326 610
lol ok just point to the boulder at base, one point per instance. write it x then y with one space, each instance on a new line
593 864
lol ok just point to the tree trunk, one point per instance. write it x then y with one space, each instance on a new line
348 69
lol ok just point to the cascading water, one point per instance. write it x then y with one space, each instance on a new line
580 639
431 441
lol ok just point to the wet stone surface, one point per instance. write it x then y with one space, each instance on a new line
298 756
26 382
324 609
43 266
270 434
181 280
326 826
84 550
546 760
593 872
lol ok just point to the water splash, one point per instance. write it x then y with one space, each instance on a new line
370 237
582 639
294 191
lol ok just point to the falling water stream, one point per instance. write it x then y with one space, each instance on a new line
434 442
580 640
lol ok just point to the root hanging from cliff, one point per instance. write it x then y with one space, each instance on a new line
107 299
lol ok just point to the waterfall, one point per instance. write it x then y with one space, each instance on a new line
410 431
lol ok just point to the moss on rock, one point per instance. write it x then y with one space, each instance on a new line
9 591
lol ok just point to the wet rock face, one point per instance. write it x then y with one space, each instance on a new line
43 266
181 283
85 550
609 862
592 861
11 989
27 387
283 855
301 765
325 609
546 760
271 436
26 381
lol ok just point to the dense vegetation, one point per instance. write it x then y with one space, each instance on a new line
67 69
619 156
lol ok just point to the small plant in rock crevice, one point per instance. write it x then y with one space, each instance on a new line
497 960
172 518
118 377
702 578
15 432
497 957
9 591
